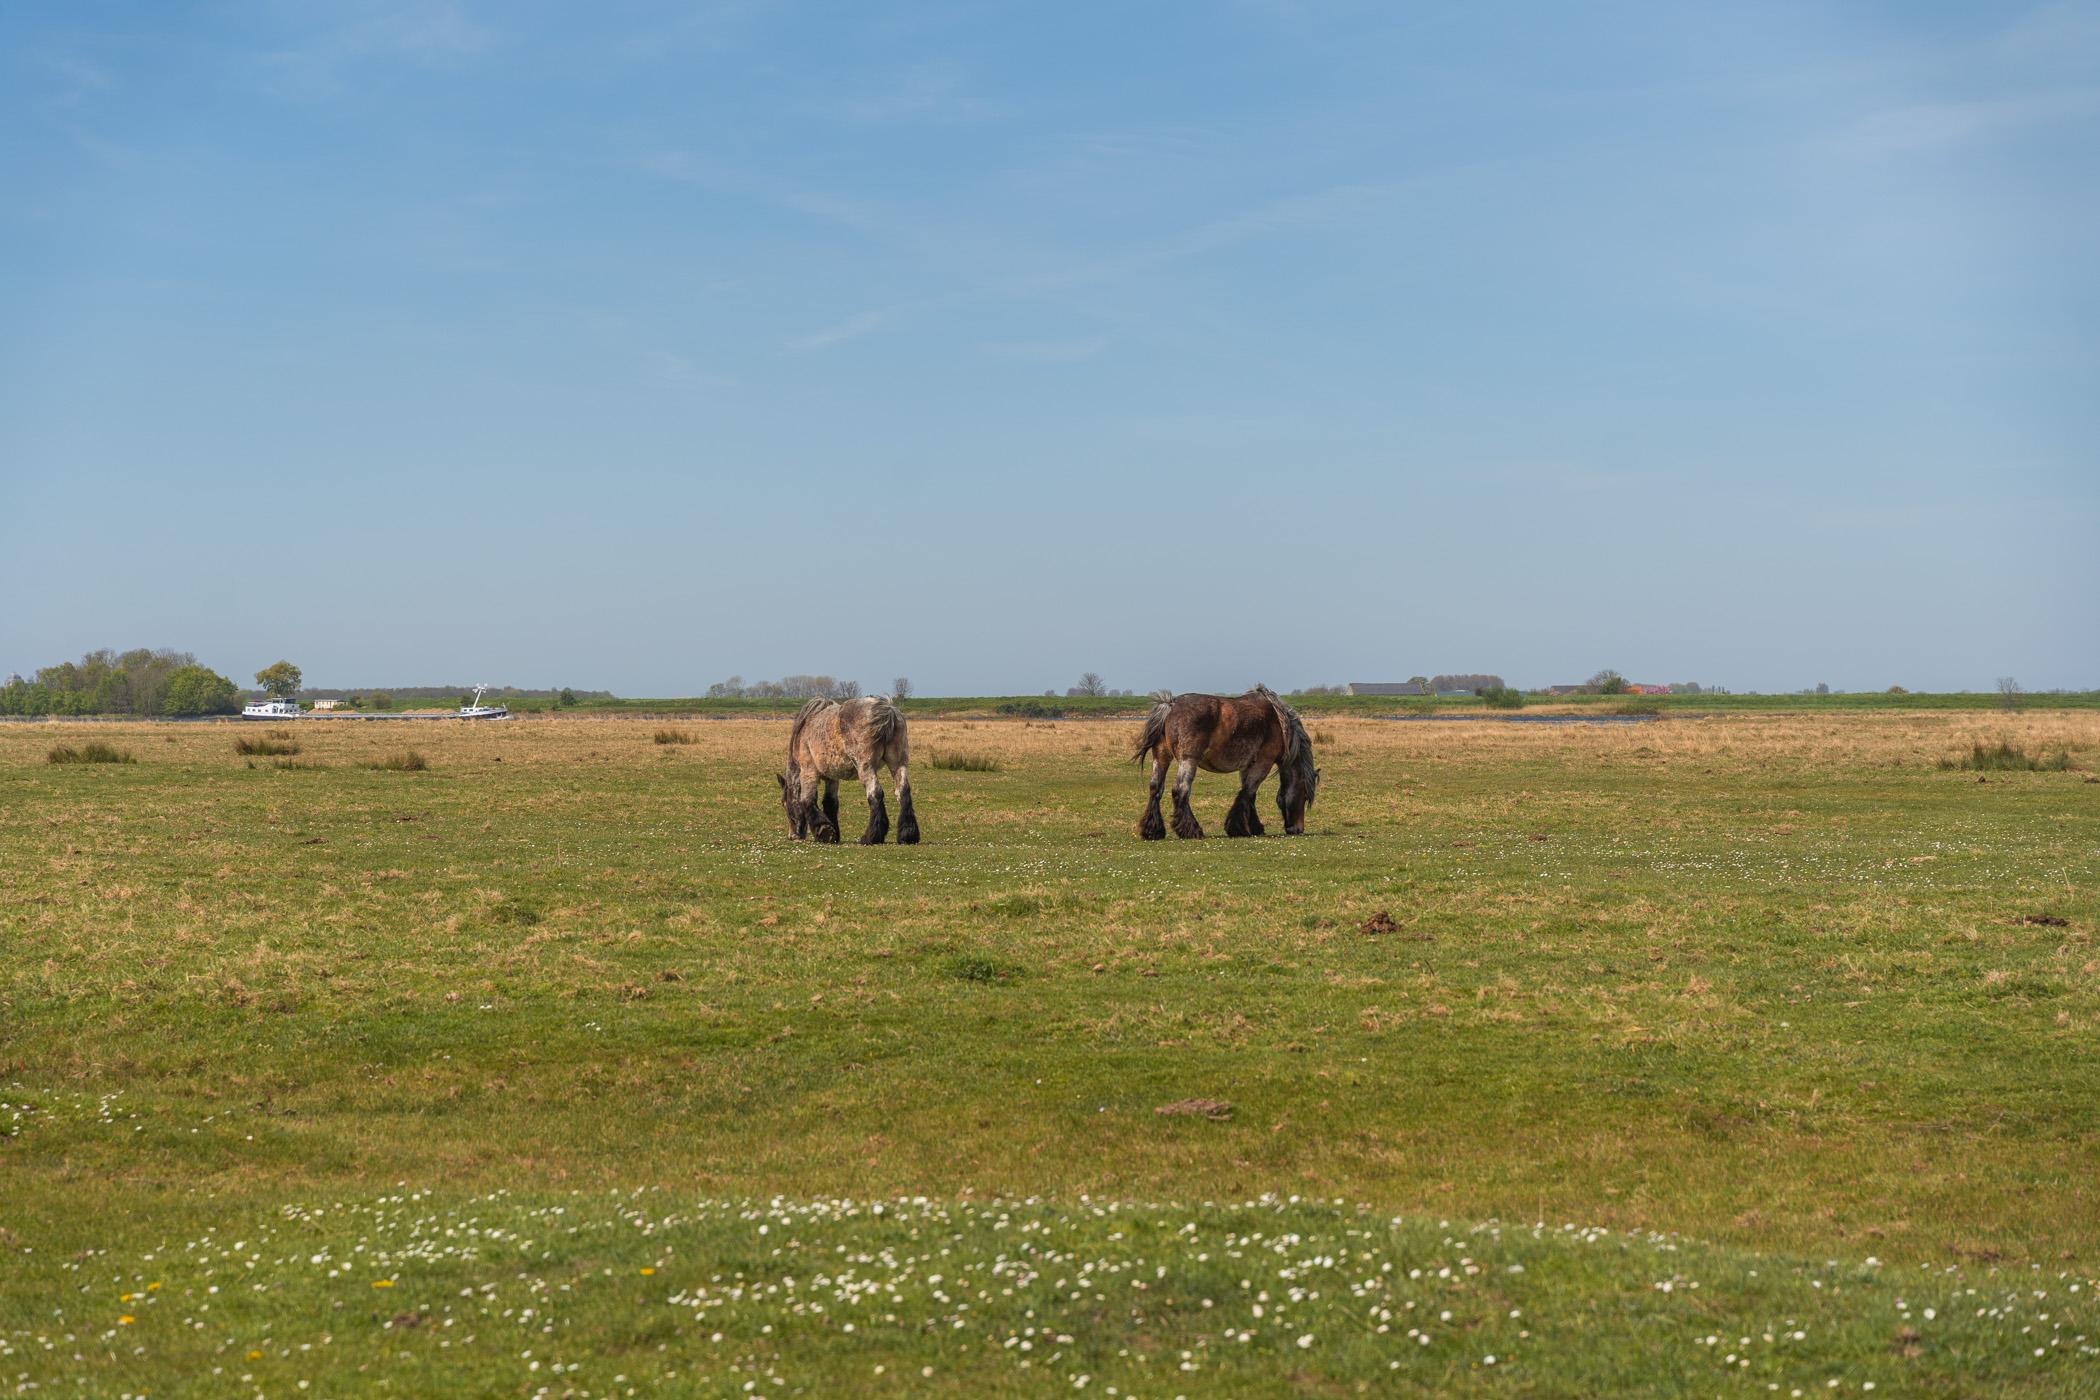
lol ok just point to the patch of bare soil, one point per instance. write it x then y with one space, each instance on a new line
1216 1110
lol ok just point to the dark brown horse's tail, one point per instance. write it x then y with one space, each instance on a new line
1155 731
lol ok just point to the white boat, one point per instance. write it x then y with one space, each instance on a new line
272 709
477 710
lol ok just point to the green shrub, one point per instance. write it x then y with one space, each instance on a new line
965 762
407 761
93 752
2007 757
1502 697
199 690
1031 709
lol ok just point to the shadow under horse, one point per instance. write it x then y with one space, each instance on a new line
1244 734
834 739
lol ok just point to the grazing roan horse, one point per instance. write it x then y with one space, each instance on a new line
834 739
1245 734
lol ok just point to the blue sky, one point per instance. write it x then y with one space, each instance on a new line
635 345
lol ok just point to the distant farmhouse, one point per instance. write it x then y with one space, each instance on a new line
1386 688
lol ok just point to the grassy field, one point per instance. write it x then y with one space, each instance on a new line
1746 1054
1363 706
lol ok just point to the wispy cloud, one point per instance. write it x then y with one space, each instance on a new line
1929 126
921 95
429 32
681 372
720 177
1047 351
1274 217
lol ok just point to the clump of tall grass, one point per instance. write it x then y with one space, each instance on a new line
265 747
93 752
966 763
965 967
301 765
406 761
2006 757
673 736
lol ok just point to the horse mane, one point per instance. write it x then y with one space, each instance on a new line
809 711
1297 745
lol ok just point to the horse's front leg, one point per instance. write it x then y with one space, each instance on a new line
823 815
1185 824
1245 818
878 814
1151 826
907 819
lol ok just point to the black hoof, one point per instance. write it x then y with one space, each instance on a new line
907 833
1151 826
1187 827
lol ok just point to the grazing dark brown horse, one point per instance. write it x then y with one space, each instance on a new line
1245 734
835 739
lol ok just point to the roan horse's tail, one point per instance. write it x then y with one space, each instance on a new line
883 721
1155 731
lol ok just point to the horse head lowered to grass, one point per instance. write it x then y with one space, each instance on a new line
1245 734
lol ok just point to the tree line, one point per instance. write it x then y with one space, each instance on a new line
786 688
144 682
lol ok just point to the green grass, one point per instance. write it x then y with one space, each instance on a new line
1769 1006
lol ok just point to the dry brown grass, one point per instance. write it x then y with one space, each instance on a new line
1724 742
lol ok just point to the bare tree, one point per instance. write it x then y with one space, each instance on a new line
1090 683
2009 693
901 687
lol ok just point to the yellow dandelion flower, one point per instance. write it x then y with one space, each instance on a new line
255 1356
382 1283
153 1288
647 1270
125 1297
126 1320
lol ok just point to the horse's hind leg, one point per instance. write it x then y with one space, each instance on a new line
1151 826
1185 824
831 805
878 814
907 819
